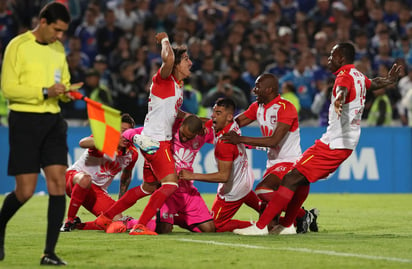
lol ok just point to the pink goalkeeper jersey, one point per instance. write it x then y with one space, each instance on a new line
183 153
241 178
166 97
267 116
343 132
101 168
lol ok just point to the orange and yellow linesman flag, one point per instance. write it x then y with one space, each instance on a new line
105 123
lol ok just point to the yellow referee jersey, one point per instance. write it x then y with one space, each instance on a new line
29 66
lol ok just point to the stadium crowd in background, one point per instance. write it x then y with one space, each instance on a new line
288 38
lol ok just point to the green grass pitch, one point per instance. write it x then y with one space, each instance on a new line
355 231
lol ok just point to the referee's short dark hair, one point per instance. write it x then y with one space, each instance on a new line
55 11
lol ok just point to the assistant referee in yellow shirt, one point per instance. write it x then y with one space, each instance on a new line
34 78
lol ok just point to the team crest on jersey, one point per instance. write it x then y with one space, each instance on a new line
195 145
273 119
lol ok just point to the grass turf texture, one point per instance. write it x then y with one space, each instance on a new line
355 231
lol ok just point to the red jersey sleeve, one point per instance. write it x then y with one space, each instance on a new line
287 113
162 88
251 111
226 151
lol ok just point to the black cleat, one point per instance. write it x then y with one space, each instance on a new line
51 259
70 225
313 227
302 224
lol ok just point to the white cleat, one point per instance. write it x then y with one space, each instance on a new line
281 230
146 143
252 230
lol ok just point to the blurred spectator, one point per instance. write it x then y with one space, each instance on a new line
288 92
108 34
126 15
210 32
235 73
95 90
207 77
404 86
119 55
362 45
8 24
280 65
191 100
138 37
251 73
100 64
380 113
129 95
406 102
225 88
76 69
321 14
87 33
302 78
159 21
74 44
321 103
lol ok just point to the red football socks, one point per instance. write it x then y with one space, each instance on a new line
78 196
126 201
156 201
279 201
295 205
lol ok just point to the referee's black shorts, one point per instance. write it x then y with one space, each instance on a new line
36 140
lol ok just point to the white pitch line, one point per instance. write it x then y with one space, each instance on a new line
324 252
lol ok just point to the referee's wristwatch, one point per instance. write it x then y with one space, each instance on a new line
45 92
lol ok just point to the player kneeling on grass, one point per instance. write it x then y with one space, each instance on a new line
234 175
88 178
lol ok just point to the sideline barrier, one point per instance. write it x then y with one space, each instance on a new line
381 163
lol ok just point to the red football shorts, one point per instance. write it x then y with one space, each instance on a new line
97 199
224 211
160 164
319 161
279 169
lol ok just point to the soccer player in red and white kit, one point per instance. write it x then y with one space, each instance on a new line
234 175
278 122
88 178
336 144
185 207
165 100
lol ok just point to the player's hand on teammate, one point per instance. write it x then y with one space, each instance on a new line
231 137
146 143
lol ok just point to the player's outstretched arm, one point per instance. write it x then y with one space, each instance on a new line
391 78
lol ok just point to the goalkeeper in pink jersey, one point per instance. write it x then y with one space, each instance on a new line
185 207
